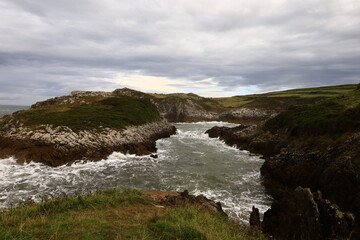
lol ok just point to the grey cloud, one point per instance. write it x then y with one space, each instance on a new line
59 46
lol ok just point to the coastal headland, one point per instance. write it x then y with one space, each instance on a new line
309 139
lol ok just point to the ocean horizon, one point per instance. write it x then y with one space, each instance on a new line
8 109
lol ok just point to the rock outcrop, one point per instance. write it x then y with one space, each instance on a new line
185 199
249 138
59 145
191 108
331 170
303 215
70 99
255 218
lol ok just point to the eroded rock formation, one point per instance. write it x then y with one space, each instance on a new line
331 170
59 145
303 215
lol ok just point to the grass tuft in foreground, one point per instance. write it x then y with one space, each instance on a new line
117 214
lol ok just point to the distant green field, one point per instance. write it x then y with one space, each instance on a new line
283 99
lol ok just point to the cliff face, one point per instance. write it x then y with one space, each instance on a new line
191 108
316 147
56 146
332 171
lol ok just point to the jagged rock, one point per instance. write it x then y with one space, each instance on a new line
185 199
333 169
255 218
248 137
335 223
60 145
302 215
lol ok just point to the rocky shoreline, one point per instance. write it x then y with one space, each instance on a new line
305 183
60 145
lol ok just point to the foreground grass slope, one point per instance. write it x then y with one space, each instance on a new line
114 214
93 112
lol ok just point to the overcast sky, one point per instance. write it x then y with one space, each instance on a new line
213 48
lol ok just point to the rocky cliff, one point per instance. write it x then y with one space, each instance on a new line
83 125
316 147
332 171
190 107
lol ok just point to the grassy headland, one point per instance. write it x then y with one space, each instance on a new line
281 100
93 112
114 214
331 117
317 125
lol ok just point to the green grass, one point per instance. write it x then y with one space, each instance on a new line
117 215
282 100
115 112
327 119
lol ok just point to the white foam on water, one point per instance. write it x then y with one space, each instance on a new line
188 160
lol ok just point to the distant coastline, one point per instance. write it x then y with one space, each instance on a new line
8 109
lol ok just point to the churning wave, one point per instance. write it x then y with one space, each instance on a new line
188 160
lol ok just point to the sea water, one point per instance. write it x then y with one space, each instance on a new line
189 160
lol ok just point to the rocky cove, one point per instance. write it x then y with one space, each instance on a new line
314 180
57 145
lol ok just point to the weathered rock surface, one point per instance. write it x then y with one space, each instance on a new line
60 145
185 199
331 170
302 215
69 99
248 137
194 108
255 218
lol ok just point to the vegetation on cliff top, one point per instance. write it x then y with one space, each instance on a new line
278 101
326 120
114 214
282 100
93 112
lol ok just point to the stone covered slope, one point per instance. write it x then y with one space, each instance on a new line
83 125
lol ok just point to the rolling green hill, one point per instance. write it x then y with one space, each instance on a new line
283 99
